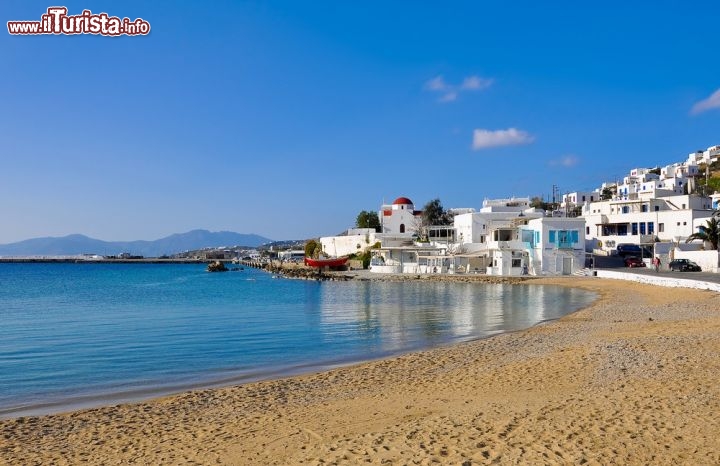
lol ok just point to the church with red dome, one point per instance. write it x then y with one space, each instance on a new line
400 217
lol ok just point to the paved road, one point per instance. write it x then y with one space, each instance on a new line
617 264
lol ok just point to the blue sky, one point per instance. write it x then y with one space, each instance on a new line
287 118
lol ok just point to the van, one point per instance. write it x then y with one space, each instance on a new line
627 249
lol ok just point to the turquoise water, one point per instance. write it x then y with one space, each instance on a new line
75 335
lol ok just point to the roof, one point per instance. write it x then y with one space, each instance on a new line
402 200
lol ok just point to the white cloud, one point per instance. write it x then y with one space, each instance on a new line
483 138
566 161
707 104
448 97
450 92
476 83
436 84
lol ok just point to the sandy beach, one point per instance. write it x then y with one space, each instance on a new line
630 380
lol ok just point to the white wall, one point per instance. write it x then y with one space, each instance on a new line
660 280
337 246
707 260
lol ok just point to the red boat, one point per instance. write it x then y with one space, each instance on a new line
331 262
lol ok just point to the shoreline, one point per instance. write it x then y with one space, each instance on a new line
229 378
588 386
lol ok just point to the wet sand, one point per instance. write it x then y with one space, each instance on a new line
630 380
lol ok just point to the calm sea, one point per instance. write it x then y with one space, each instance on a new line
77 335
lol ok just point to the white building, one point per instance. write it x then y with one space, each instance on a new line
544 246
291 254
505 237
708 156
577 198
400 217
353 241
643 220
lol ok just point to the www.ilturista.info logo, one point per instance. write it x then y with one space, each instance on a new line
57 21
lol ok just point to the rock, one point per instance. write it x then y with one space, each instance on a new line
216 266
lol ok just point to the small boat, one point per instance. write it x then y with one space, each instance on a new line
328 262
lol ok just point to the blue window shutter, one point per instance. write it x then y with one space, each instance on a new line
575 236
551 236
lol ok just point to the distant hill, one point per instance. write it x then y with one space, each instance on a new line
80 244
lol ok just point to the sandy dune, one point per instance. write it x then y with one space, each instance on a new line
631 380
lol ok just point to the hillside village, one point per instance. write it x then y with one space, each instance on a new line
654 209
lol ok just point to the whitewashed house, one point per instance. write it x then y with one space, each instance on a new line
354 240
544 246
399 219
505 237
643 220
578 198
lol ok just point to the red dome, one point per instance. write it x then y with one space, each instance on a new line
402 201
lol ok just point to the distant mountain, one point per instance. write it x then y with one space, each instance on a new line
80 244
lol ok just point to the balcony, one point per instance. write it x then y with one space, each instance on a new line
512 245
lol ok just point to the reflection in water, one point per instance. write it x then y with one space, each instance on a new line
86 331
389 317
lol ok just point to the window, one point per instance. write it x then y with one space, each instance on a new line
684 223
683 206
642 228
651 228
634 229
661 227
528 236
402 228
587 230
622 229
563 238
644 208
517 262
625 209
583 198
657 208
482 238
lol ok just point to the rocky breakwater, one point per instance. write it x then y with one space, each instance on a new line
303 272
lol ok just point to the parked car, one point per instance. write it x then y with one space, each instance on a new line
634 261
626 249
684 265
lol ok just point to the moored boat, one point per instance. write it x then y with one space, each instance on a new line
327 262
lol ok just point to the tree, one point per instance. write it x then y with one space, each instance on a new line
606 194
312 248
710 233
367 219
538 203
435 214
